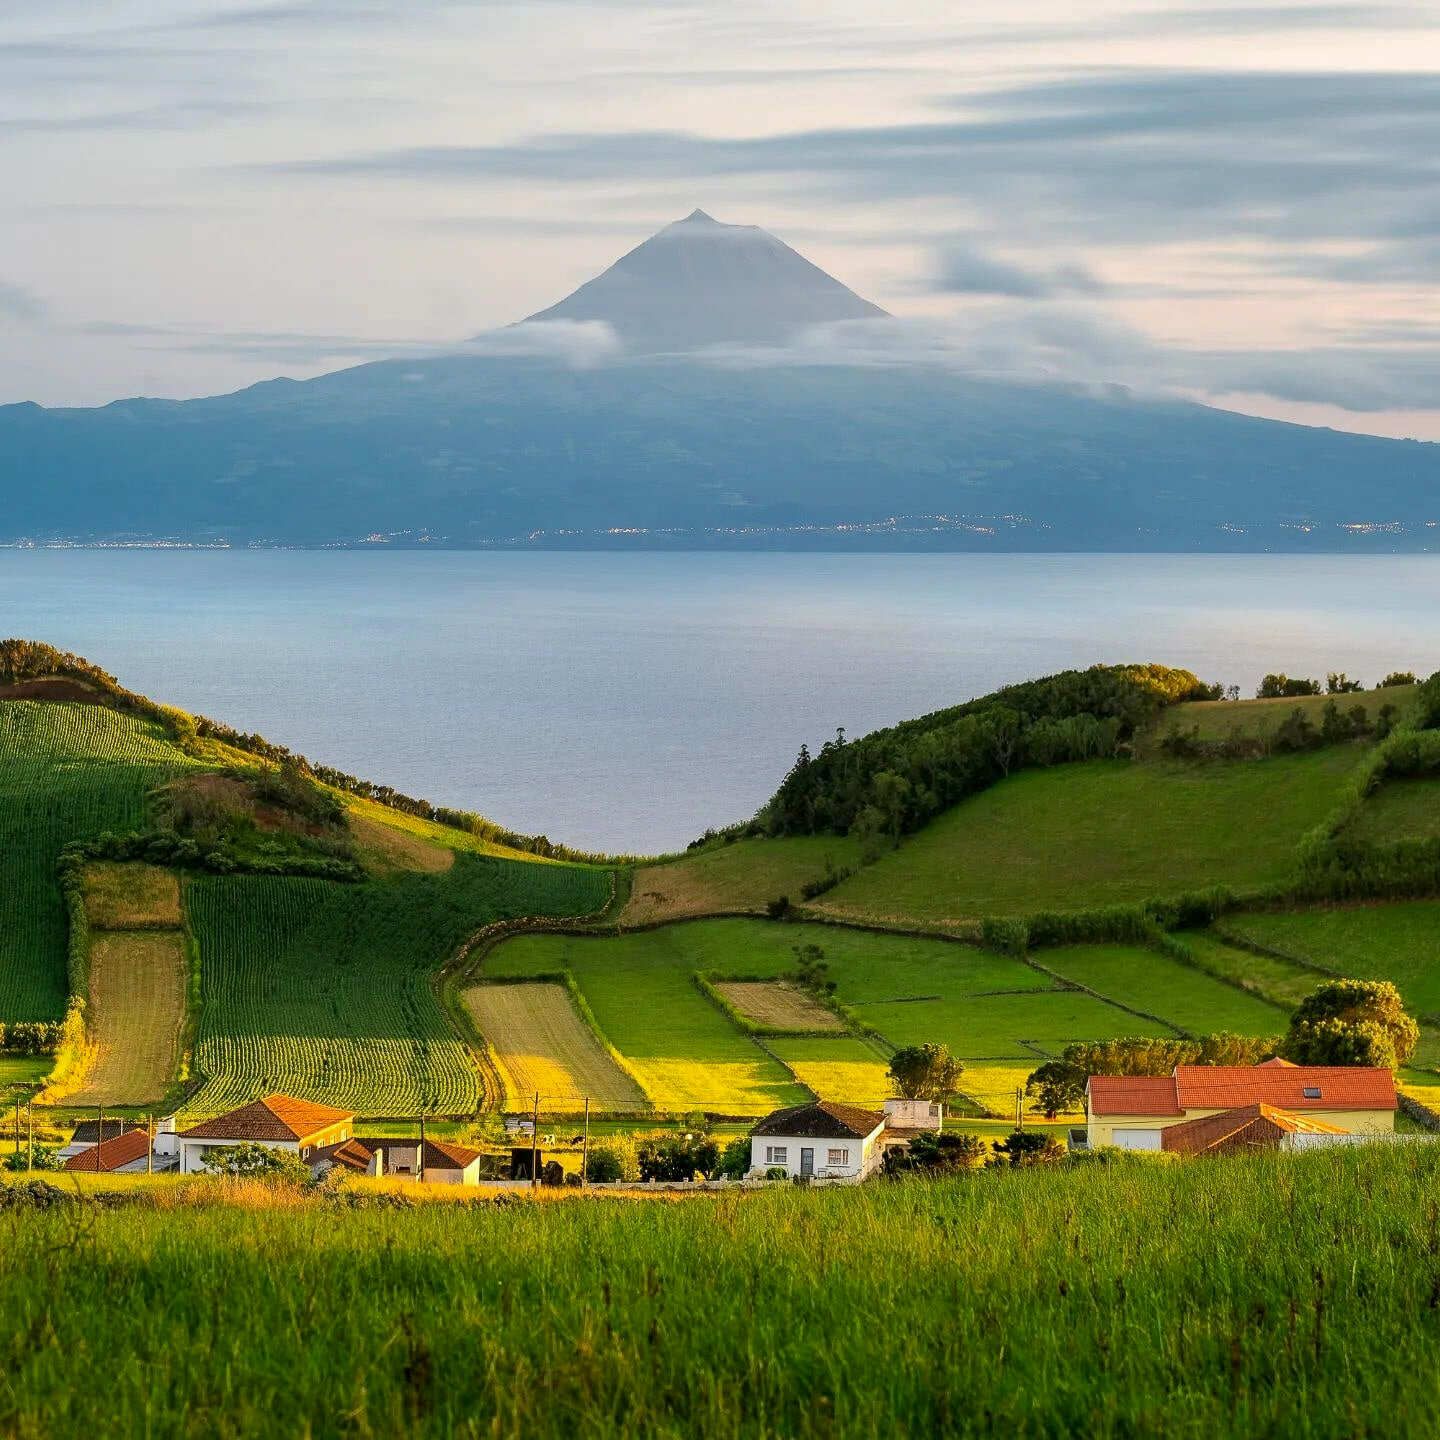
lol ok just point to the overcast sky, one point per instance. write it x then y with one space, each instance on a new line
1237 201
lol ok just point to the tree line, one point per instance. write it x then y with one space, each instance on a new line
893 781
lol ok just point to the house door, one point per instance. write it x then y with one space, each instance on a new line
807 1161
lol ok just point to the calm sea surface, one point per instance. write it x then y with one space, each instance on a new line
625 702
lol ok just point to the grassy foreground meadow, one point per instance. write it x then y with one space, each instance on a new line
1298 1299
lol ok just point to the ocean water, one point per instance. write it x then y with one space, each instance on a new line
626 702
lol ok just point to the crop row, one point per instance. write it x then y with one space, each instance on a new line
67 772
325 991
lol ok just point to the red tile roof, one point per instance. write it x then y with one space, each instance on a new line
439 1154
276 1117
1134 1095
1224 1087
351 1153
1246 1127
1341 1087
111 1154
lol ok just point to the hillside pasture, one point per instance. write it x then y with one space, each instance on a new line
1146 980
775 1005
135 1016
325 990
131 896
542 1045
1101 833
738 878
1281 983
67 772
1215 720
1398 810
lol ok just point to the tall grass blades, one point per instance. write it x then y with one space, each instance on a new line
1278 1296
326 991
67 772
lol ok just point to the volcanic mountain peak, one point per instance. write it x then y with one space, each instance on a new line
700 282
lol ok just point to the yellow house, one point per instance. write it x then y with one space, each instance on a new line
1131 1111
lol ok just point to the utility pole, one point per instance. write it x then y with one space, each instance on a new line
1019 1108
420 1153
150 1147
99 1134
30 1135
535 1144
585 1149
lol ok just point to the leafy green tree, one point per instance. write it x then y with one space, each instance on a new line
1056 1087
614 1160
1427 710
735 1158
941 1153
1282 687
812 970
1397 677
1025 1149
1341 684
1372 1009
925 1072
257 1161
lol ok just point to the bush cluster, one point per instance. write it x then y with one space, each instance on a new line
30 1037
165 847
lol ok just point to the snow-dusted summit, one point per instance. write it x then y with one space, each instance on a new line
699 282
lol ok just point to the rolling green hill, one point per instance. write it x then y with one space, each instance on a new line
1058 899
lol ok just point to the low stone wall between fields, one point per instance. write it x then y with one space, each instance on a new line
1420 1113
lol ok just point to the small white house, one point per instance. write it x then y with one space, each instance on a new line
823 1141
441 1163
280 1122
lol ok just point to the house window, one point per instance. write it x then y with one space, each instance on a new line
777 1154
1311 1092
837 1157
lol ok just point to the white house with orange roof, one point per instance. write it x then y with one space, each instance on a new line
1134 1111
280 1122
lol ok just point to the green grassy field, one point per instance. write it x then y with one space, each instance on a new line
1399 810
1272 1295
1148 980
324 990
20 1070
1103 833
1219 719
1399 942
738 878
910 990
67 772
685 1051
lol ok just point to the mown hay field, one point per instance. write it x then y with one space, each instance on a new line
135 1016
543 1045
740 878
1100 833
131 897
778 1006
67 772
685 1051
1281 1295
326 990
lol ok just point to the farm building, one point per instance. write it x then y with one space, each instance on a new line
1247 1127
440 1164
279 1121
127 1153
1134 1111
909 1115
88 1133
823 1140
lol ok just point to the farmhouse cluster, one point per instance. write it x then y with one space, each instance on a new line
1195 1110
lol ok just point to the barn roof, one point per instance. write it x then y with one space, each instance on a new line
1134 1095
276 1117
113 1153
1257 1124
824 1120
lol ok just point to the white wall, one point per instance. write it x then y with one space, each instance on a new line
862 1156
193 1152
